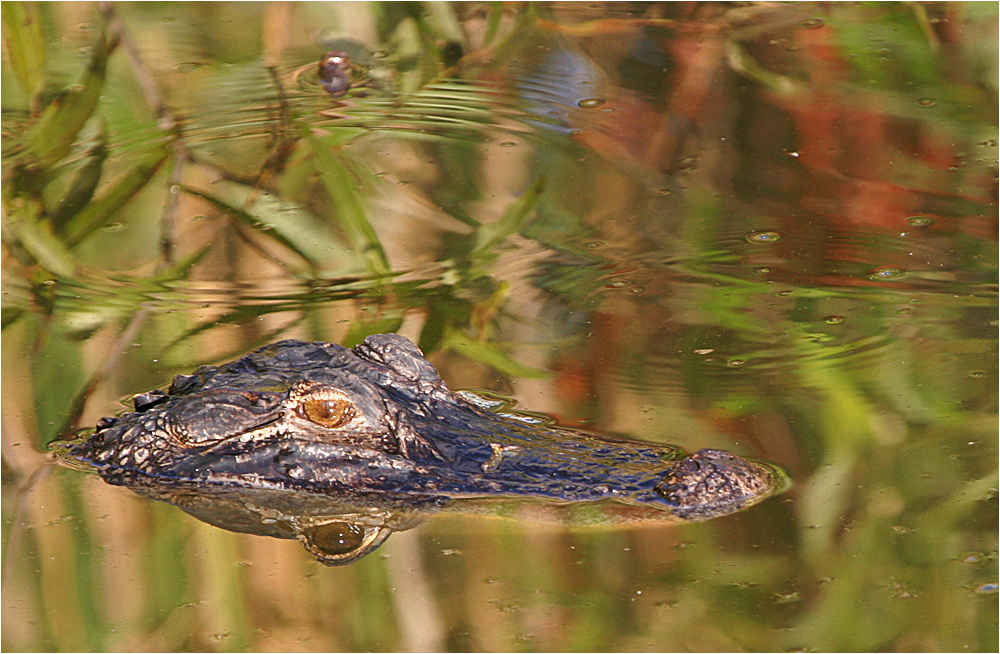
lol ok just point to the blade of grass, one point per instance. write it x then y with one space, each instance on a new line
491 235
100 211
493 22
50 138
36 237
491 355
302 244
25 43
340 183
81 189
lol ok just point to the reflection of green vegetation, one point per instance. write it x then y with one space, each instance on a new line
886 416
55 188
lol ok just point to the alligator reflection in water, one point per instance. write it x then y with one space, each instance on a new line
338 448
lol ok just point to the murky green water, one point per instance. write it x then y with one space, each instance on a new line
764 228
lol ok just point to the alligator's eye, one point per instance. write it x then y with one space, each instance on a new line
340 543
337 538
325 411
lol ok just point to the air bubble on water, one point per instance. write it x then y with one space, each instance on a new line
919 221
662 191
762 236
736 363
812 23
590 103
507 144
187 67
762 270
972 557
621 283
833 320
885 272
977 374
989 588
786 598
927 102
113 227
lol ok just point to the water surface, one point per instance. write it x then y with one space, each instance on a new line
765 228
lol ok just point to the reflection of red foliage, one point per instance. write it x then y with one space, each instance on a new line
866 166
838 166
581 372
620 128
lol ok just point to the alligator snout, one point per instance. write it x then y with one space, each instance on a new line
712 483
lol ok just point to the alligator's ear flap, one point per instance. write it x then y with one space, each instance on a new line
340 543
400 355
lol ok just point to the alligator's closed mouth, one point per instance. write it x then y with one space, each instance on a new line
339 448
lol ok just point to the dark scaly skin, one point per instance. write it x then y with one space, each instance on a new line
340 447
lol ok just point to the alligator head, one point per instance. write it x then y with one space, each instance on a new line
340 447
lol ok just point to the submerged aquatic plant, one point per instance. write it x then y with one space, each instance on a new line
560 201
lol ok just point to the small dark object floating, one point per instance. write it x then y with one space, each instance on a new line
336 73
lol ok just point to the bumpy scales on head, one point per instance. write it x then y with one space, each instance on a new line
346 445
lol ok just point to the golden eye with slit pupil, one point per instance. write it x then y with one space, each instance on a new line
325 412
